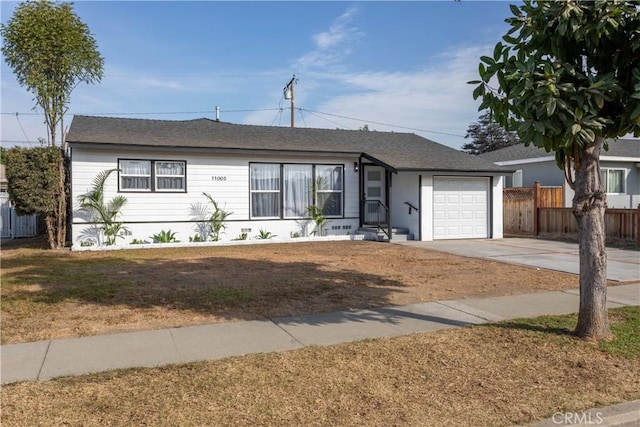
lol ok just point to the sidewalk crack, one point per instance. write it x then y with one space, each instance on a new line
287 332
44 359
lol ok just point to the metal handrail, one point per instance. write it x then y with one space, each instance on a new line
377 214
411 207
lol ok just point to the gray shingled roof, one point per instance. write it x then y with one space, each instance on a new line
617 148
402 151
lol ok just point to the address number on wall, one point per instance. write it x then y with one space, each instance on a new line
218 178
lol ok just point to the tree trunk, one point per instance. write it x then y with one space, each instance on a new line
61 217
589 205
49 221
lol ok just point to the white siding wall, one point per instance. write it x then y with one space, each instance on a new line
426 210
146 214
497 224
405 189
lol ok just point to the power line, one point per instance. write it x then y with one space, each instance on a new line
22 127
278 115
383 124
324 118
250 110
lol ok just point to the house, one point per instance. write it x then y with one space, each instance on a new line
267 177
619 170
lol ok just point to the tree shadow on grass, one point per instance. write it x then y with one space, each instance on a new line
226 287
532 327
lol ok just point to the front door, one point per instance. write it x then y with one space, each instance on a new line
374 195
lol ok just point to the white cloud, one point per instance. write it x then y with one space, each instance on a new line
332 45
435 98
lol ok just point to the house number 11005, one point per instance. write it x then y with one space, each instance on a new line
218 178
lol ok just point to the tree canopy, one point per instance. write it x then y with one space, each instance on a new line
566 73
51 51
487 135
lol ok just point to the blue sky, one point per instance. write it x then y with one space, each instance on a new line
394 66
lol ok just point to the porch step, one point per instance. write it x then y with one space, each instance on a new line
397 234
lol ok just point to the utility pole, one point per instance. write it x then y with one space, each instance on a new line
288 94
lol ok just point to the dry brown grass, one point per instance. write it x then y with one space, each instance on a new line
56 294
482 376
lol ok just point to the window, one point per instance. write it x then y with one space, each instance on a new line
613 180
298 194
286 190
329 189
170 176
152 175
135 175
265 190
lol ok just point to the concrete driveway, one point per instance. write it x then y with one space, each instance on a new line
623 265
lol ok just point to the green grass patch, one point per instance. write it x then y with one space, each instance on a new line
625 326
227 295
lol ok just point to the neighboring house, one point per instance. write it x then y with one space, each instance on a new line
619 169
264 176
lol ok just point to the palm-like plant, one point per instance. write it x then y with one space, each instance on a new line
103 212
210 218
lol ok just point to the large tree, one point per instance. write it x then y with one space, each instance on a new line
487 135
568 76
51 52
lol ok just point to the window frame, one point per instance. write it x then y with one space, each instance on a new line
278 191
153 177
604 172
332 191
283 186
156 175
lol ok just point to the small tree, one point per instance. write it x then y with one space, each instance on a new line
487 135
568 76
32 175
105 213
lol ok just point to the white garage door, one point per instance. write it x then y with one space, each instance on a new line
460 208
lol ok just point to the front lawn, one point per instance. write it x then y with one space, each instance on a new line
56 294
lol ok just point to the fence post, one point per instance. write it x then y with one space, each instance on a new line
536 206
638 225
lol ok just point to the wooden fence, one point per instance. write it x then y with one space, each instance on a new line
520 207
538 211
619 224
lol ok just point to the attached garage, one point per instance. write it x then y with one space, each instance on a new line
461 207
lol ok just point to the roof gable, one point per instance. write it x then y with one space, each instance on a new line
402 151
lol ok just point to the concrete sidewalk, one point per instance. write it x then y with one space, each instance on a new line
45 360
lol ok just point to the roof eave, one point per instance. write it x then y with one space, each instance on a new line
223 150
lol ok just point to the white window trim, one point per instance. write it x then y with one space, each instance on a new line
153 177
318 191
170 190
283 186
128 175
625 172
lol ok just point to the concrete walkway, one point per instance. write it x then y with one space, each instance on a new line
622 265
45 360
